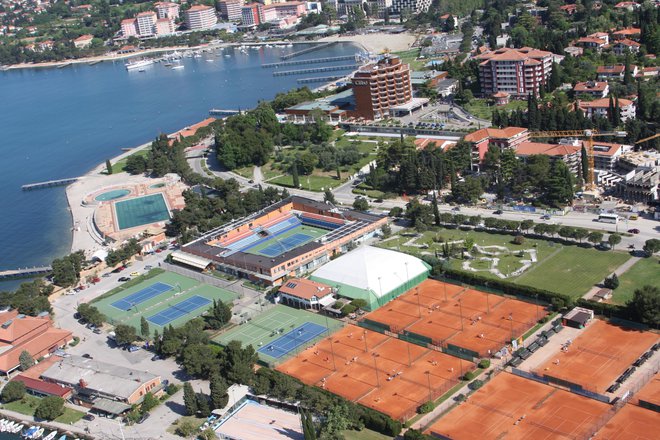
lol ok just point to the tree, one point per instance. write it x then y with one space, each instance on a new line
580 234
309 431
584 162
436 211
294 175
329 197
387 231
651 246
612 282
526 225
136 164
203 407
189 399
360 204
14 390
144 327
108 166
240 362
125 334
337 420
91 314
148 403
219 315
50 408
595 237
66 270
186 428
25 360
646 303
219 396
614 239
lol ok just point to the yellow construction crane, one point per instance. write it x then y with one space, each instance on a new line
589 135
641 141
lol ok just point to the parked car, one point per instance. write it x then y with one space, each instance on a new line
148 267
498 212
456 208
97 331
133 348
135 274
633 231
545 217
106 275
89 417
123 279
87 356
155 358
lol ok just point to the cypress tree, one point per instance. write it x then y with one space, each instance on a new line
584 161
436 211
617 113
294 174
108 166
189 399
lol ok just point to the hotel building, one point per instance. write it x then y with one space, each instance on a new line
231 9
200 17
518 72
167 10
146 23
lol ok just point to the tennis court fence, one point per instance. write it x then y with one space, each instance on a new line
202 278
374 325
529 375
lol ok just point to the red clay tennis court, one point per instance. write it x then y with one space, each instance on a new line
451 314
650 392
631 423
598 356
384 373
512 407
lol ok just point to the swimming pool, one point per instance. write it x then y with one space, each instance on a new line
112 195
141 211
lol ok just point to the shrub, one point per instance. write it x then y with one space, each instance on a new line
475 385
186 429
50 408
13 391
348 309
518 239
469 375
612 282
426 408
484 363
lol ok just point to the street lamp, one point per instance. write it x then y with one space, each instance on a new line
428 376
460 308
374 355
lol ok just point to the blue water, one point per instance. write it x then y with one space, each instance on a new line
58 123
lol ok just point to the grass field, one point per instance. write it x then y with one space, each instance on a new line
365 434
311 183
264 329
312 232
189 288
570 270
28 405
645 272
119 166
481 109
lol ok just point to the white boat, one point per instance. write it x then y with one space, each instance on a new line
209 61
9 427
51 436
227 55
131 65
17 429
38 434
180 66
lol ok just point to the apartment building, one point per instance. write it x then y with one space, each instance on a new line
146 23
231 9
200 17
167 10
252 15
518 72
165 26
596 89
504 138
569 154
600 107
129 28
412 6
381 85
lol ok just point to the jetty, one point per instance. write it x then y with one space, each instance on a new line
308 50
312 61
316 70
27 272
49 183
222 113
319 79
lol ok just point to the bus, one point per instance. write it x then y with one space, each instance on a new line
608 218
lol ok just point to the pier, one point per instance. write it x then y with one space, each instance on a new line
316 70
308 50
319 79
27 272
312 61
221 113
49 183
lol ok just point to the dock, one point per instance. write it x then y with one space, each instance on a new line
316 70
308 50
222 113
49 183
27 272
319 79
312 61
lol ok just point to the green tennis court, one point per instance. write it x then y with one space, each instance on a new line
184 288
272 325
286 241
140 211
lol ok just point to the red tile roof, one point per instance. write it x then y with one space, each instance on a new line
42 387
619 68
305 289
628 42
628 31
494 133
508 54
590 86
199 8
603 103
531 148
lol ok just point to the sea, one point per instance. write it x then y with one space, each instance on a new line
61 122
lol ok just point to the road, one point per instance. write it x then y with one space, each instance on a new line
649 228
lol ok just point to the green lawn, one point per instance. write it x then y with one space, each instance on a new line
273 324
570 270
645 272
119 166
188 288
481 109
28 405
246 172
365 434
410 57
311 183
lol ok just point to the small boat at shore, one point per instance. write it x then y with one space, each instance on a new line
17 429
29 432
180 66
51 436
38 434
139 64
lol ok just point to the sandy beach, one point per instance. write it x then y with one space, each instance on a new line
378 42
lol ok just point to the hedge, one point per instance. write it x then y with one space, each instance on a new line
484 363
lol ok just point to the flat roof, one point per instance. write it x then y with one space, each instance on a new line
109 379
253 421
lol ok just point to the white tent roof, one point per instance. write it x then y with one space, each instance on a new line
100 255
190 259
372 268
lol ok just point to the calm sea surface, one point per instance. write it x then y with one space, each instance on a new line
58 123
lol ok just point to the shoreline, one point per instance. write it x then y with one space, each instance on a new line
146 52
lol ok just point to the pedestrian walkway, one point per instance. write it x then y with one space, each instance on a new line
618 271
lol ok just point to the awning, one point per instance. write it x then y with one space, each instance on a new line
190 260
110 406
100 255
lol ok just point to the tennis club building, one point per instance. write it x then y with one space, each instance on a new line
373 274
285 240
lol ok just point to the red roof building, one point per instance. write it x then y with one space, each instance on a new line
303 293
43 389
502 138
633 33
600 107
625 46
569 154
597 89
35 335
519 72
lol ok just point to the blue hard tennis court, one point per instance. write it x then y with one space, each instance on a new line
285 244
292 340
141 296
178 310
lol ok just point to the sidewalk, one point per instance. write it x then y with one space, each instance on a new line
618 271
